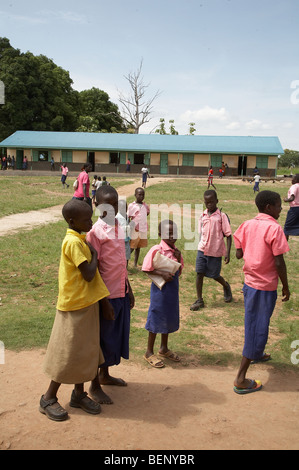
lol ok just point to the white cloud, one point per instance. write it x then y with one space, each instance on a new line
256 124
205 114
233 126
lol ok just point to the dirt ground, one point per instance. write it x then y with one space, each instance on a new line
180 407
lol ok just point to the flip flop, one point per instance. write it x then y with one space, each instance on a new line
154 361
170 355
264 358
255 386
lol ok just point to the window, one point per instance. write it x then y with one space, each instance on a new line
66 156
262 162
40 155
216 161
114 158
188 159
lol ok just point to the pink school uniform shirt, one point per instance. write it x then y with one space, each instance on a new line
64 170
83 178
294 191
138 213
211 229
261 239
109 242
164 249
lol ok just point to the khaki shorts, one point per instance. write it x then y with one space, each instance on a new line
138 240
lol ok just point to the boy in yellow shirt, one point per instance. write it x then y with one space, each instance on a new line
74 352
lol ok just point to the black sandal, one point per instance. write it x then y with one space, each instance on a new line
86 403
52 409
199 303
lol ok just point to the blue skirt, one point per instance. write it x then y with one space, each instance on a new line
114 334
259 306
164 313
291 226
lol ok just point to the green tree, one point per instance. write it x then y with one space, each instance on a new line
97 113
290 157
38 93
162 130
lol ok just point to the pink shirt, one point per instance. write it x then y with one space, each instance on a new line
294 191
138 213
83 178
110 245
212 229
164 249
64 170
261 239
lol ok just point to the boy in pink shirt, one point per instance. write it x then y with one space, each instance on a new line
109 239
213 226
292 221
262 243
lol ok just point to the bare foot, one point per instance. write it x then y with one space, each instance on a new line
108 380
100 396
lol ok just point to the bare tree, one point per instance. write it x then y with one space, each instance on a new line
136 109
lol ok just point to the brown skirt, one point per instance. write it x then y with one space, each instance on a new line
74 354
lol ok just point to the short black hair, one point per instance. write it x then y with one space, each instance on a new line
104 190
73 207
210 192
266 197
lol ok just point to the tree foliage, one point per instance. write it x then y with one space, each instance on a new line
39 97
289 158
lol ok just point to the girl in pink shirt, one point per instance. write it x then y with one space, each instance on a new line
82 191
163 313
292 221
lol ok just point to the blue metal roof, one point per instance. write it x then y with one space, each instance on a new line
144 143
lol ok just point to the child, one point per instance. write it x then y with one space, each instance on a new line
73 352
64 173
210 177
213 227
108 238
94 188
163 314
256 179
138 212
292 221
262 243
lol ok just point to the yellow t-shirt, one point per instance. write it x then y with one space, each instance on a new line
74 292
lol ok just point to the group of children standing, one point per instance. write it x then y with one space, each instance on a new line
91 328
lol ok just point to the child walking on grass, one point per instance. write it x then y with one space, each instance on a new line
137 214
261 243
108 238
73 352
213 226
163 313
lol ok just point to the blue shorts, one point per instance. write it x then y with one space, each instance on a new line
210 266
259 306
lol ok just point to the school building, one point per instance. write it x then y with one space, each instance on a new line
162 154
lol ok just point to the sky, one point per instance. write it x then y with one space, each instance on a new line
229 66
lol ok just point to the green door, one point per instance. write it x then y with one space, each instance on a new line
19 159
164 163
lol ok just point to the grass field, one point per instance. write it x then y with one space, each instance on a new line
29 268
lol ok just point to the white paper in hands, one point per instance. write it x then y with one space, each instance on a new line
163 263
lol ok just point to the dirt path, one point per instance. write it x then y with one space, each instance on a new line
180 407
175 408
